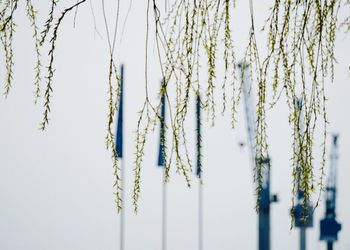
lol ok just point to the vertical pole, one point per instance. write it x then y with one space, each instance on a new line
119 149
264 229
329 245
161 163
164 213
199 173
264 207
122 215
302 238
200 214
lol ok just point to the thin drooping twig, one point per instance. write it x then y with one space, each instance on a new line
50 69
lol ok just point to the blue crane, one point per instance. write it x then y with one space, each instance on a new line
265 199
328 225
303 210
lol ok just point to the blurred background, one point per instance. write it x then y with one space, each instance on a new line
56 186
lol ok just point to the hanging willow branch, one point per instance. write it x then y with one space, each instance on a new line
193 38
301 46
300 57
50 69
32 14
7 29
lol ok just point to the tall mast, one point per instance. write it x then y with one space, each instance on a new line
264 199
161 163
303 213
329 226
119 149
199 173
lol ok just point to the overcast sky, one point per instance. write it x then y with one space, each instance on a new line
56 186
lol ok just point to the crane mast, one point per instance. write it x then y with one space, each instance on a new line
303 213
329 226
249 112
264 199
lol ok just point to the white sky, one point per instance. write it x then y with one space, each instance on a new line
56 186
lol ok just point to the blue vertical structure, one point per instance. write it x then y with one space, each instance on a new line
302 211
119 149
161 164
264 201
329 226
119 136
161 160
199 139
199 172
260 165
